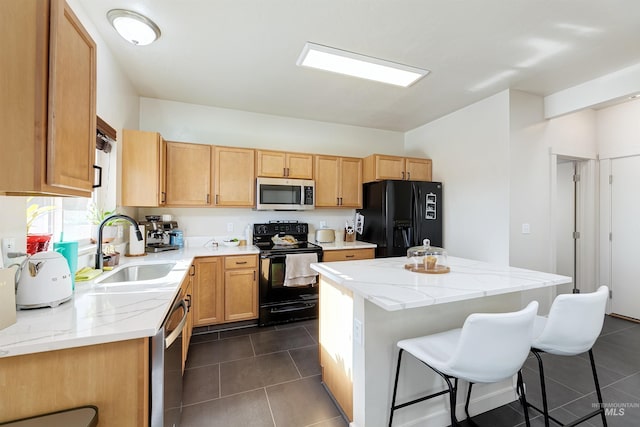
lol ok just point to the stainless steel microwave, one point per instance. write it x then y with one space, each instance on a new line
285 194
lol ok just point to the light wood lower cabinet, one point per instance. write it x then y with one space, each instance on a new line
208 291
348 254
113 376
225 289
186 290
240 288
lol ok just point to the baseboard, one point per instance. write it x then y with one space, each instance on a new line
623 317
477 406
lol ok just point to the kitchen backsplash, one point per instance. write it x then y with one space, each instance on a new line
214 222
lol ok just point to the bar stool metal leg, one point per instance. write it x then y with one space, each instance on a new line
545 406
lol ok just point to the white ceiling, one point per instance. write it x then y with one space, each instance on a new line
241 54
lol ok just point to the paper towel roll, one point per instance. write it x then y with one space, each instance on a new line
136 247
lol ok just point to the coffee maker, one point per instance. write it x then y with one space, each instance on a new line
158 234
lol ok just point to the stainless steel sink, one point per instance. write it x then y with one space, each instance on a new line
137 272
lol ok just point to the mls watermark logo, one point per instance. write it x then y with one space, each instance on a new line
616 409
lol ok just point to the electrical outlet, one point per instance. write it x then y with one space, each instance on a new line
8 245
323 224
230 227
357 331
526 228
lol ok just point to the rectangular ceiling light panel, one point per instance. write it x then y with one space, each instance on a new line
356 65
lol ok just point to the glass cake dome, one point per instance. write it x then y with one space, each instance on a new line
427 259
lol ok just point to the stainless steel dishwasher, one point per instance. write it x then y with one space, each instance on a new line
166 368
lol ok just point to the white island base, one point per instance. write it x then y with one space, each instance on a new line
366 307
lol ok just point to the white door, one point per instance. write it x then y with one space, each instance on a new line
625 236
565 219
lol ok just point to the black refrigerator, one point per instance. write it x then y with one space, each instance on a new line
400 214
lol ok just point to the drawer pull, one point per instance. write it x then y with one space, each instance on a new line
240 262
349 256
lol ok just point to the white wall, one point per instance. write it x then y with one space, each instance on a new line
618 130
183 122
177 121
470 152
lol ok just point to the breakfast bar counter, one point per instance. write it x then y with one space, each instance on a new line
367 306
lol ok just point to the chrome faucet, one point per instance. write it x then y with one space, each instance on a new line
99 260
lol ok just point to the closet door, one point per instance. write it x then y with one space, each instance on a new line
625 236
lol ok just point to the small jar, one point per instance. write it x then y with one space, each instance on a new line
427 258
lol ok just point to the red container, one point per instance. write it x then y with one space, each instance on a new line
37 243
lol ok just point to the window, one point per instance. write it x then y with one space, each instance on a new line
68 217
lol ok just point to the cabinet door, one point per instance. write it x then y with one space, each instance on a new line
418 169
389 167
299 166
234 171
188 174
350 183
240 295
143 168
271 164
72 102
208 290
327 171
187 295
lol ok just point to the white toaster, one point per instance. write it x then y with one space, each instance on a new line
45 281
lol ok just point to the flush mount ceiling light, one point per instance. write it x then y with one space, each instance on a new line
356 65
133 27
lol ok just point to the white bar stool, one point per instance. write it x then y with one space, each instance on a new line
572 327
490 347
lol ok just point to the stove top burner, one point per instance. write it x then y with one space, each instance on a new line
262 234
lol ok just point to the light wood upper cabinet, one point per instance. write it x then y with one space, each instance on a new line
188 174
418 169
208 291
234 177
143 168
278 164
378 167
48 98
338 181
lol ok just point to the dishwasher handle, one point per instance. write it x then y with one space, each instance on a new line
169 339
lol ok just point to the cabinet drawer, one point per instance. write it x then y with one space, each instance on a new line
348 255
240 261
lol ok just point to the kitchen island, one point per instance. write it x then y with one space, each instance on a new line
367 306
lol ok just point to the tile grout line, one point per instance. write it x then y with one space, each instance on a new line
294 363
273 419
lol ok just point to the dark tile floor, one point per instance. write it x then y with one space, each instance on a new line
257 377
271 377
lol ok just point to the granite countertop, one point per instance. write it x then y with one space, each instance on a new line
100 313
386 283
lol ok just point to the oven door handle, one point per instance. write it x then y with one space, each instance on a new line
292 308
